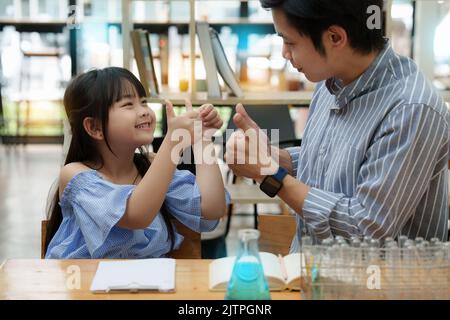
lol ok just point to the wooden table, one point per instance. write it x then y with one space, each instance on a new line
48 279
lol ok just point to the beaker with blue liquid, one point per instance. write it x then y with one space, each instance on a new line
247 280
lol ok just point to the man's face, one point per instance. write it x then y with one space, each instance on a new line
300 50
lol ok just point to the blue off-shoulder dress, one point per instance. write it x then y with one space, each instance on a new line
92 206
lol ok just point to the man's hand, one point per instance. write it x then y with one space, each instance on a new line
242 120
248 150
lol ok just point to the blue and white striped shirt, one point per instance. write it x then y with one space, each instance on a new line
91 207
375 154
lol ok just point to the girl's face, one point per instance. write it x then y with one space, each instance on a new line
131 121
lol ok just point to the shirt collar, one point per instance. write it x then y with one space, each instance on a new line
368 81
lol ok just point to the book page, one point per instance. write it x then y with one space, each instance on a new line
293 269
220 273
273 271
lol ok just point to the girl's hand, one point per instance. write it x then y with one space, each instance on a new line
211 120
186 126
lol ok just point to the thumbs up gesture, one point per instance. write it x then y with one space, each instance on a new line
242 120
248 150
187 126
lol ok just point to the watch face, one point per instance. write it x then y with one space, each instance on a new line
270 186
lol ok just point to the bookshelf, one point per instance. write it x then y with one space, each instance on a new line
251 98
289 97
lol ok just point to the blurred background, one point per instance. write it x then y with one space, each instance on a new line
43 43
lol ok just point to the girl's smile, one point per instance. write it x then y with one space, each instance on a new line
146 125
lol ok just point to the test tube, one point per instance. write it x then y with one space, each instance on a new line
446 250
409 243
374 255
346 261
374 243
419 240
393 265
367 239
358 265
388 240
434 241
425 279
364 252
328 242
355 243
401 241
410 281
306 241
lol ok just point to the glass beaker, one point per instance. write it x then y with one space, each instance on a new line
247 280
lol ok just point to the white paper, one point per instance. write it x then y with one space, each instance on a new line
135 275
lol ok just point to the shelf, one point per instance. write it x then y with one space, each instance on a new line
36 25
250 98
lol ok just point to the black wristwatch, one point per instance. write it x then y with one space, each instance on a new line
271 185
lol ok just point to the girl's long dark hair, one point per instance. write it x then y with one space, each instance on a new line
91 94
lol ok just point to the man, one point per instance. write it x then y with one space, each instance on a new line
373 160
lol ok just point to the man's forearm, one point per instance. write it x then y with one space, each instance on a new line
294 193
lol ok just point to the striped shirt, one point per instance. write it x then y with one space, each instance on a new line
375 154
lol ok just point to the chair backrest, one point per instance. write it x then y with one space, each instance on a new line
44 227
270 117
277 232
190 248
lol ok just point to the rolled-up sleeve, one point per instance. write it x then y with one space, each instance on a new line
294 152
408 151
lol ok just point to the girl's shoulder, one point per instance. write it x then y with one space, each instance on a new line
69 171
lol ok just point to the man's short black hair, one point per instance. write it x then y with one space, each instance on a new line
312 17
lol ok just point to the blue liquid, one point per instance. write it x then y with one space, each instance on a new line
247 281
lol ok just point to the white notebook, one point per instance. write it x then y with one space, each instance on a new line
135 275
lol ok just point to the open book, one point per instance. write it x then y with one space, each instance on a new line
135 275
281 272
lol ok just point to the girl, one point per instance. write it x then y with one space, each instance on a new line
115 203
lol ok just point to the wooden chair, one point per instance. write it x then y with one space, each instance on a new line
277 232
189 249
